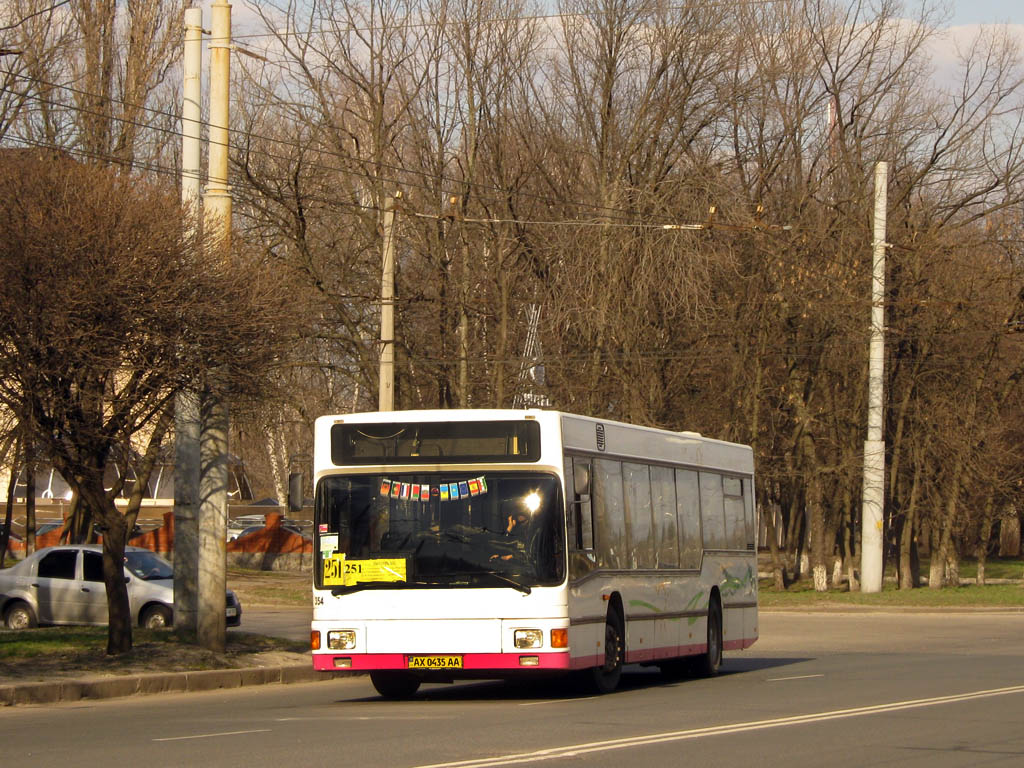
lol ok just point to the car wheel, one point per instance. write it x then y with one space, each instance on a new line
156 617
20 616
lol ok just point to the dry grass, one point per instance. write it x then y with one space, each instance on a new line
51 653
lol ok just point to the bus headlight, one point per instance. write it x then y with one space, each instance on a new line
529 638
341 639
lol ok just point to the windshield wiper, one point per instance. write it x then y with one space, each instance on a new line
348 590
359 586
524 588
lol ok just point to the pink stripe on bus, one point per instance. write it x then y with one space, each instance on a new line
474 661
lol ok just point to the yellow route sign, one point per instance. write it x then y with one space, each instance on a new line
340 572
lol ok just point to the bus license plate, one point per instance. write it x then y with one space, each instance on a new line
435 662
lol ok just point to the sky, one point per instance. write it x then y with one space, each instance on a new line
986 12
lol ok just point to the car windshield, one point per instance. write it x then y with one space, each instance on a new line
497 529
148 566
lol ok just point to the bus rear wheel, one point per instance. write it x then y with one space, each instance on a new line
709 664
605 678
395 685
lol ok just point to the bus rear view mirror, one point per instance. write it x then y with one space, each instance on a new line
581 479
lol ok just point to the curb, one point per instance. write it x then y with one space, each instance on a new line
158 682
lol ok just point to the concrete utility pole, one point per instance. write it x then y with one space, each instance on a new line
213 490
871 560
213 513
191 115
186 404
217 203
386 392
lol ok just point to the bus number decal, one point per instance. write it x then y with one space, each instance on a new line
334 570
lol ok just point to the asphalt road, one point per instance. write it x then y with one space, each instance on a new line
292 623
818 690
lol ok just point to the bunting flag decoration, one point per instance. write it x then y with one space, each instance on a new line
424 492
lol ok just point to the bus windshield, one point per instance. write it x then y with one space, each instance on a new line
451 529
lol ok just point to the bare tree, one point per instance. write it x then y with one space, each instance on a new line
107 311
32 39
684 193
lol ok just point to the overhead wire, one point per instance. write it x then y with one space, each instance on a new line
627 218
32 15
698 4
548 361
632 223
854 342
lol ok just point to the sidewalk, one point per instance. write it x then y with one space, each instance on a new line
109 687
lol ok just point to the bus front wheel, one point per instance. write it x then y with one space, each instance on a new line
605 678
395 685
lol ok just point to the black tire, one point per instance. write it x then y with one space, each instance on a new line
156 617
605 678
395 685
20 615
710 662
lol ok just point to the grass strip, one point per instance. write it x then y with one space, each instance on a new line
801 596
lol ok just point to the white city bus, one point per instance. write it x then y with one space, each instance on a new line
488 543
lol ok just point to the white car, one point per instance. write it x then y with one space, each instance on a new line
64 585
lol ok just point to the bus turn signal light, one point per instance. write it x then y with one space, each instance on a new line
314 640
560 638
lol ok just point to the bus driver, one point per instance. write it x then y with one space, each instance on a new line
516 531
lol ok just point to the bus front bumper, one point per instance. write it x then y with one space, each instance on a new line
428 663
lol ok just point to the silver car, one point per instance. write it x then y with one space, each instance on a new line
64 585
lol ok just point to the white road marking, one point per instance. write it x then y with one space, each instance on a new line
795 677
557 701
379 718
575 750
213 735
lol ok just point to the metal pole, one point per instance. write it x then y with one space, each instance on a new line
186 404
874 447
386 394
